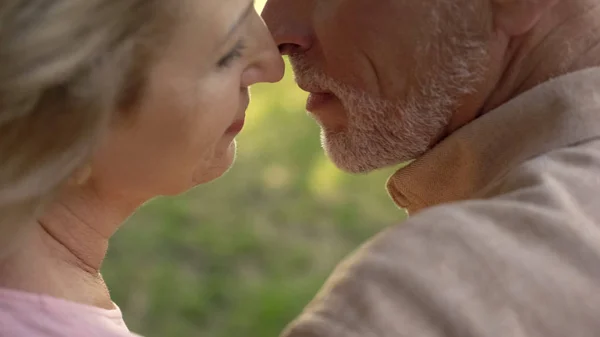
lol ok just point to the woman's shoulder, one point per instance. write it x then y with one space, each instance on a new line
27 314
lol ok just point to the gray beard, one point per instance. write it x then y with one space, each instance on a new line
382 132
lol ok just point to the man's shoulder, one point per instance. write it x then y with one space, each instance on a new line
560 182
464 269
522 260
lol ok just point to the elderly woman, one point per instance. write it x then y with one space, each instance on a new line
105 104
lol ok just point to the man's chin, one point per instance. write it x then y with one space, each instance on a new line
351 166
349 162
351 169
351 159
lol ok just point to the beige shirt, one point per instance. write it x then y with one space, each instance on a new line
504 240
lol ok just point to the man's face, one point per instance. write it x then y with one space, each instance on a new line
386 76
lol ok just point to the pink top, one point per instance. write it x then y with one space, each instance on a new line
32 315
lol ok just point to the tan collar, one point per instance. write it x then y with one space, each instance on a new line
555 114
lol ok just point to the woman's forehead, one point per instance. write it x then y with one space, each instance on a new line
213 20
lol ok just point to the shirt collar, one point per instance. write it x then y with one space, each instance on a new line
555 114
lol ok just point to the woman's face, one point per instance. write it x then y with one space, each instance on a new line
182 132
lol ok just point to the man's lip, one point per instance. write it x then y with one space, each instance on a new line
318 97
312 90
236 127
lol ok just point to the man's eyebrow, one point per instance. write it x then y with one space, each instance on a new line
239 21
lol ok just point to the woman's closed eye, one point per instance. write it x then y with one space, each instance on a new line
232 55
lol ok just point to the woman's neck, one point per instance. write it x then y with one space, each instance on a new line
61 255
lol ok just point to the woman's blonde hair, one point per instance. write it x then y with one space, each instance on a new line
66 66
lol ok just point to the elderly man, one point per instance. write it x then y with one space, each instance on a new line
498 103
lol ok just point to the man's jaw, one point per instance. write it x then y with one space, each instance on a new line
356 133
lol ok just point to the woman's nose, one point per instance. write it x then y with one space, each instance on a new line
268 65
271 64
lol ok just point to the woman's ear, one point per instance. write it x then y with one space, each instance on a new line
517 17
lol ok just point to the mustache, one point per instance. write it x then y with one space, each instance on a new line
306 75
312 79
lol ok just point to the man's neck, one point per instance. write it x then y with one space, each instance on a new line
564 41
62 254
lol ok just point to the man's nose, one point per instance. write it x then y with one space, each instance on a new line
290 24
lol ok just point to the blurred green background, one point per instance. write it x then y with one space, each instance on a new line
243 255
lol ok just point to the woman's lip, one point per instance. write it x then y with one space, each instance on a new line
236 127
316 101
